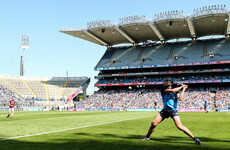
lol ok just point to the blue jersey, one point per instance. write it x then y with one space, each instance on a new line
205 103
170 99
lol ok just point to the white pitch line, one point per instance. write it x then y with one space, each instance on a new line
17 137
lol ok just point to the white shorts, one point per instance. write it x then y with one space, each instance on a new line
11 109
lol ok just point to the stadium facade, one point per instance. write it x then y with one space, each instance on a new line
151 56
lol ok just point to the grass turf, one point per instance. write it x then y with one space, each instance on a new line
213 129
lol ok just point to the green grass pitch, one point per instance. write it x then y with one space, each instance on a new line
98 133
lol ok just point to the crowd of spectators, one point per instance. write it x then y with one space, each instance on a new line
115 99
7 95
146 98
159 79
135 98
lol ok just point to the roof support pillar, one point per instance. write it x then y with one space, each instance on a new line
125 35
96 38
157 31
192 28
228 25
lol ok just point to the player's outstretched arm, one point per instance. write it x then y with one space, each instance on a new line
174 89
181 97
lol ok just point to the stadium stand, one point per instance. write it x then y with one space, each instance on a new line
189 53
156 55
5 94
220 48
106 58
157 49
39 90
185 52
159 79
124 57
145 98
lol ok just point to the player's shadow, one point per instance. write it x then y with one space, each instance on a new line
110 135
82 134
137 137
104 141
213 140
177 139
165 139
170 139
83 144
123 137
181 140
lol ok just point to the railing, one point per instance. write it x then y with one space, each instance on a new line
176 14
209 10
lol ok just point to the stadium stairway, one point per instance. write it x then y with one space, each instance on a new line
11 87
171 52
205 54
105 58
62 90
47 92
29 88
140 54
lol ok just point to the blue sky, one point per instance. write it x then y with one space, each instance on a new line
51 52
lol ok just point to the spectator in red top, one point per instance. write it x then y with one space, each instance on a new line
11 108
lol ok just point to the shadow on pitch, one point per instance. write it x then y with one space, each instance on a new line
110 135
91 144
92 141
174 140
181 140
165 139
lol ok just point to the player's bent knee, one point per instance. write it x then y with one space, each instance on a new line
154 123
180 127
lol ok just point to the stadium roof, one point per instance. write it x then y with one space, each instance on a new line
43 78
205 21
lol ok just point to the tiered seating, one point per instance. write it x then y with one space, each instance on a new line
190 52
158 54
71 87
6 95
38 87
145 98
45 88
54 88
159 79
19 84
221 47
104 61
5 84
125 57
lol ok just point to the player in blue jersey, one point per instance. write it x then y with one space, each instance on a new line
170 98
205 106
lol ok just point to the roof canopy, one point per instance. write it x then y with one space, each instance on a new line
205 21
